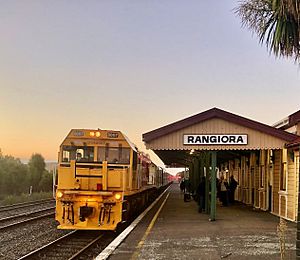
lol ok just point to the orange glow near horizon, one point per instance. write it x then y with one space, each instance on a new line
129 67
17 147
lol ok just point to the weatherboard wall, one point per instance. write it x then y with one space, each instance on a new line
256 139
255 173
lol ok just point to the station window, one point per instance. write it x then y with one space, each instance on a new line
251 178
272 157
135 160
262 176
242 178
118 155
283 170
283 176
80 154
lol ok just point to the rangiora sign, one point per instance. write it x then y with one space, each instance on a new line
228 139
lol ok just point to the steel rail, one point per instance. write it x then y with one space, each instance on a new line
27 220
24 205
47 248
25 214
86 247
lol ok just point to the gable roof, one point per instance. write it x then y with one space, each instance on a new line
288 121
293 120
294 144
218 113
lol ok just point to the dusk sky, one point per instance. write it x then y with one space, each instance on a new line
132 66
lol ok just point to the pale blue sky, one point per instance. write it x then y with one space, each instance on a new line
132 66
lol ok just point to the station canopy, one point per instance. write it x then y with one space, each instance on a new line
213 130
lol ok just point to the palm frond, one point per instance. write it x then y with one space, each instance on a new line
276 22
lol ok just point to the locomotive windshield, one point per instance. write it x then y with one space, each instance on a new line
78 153
118 155
113 155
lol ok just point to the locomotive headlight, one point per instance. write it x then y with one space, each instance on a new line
59 194
92 133
98 134
118 196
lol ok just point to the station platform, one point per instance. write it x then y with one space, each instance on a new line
180 232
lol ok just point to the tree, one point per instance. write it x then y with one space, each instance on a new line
276 22
46 182
36 166
13 176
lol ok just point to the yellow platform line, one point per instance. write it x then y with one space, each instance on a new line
141 243
117 241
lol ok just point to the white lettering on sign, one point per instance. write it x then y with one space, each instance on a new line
233 139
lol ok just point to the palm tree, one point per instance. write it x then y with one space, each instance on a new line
277 23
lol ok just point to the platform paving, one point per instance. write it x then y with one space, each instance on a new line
180 232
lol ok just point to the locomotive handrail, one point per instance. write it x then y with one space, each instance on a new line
103 174
122 166
104 166
106 193
116 165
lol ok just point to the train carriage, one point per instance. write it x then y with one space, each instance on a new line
103 180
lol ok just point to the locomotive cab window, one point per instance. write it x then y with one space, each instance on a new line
68 153
124 155
85 154
80 154
114 155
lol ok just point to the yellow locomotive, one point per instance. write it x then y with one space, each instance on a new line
103 180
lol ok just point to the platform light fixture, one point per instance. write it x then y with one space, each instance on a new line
192 151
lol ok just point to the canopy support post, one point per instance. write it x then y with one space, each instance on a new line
213 186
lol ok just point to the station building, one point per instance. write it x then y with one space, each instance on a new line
263 159
290 124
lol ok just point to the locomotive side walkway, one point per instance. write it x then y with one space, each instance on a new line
180 232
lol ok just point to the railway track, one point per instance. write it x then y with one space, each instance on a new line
25 217
24 205
69 246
